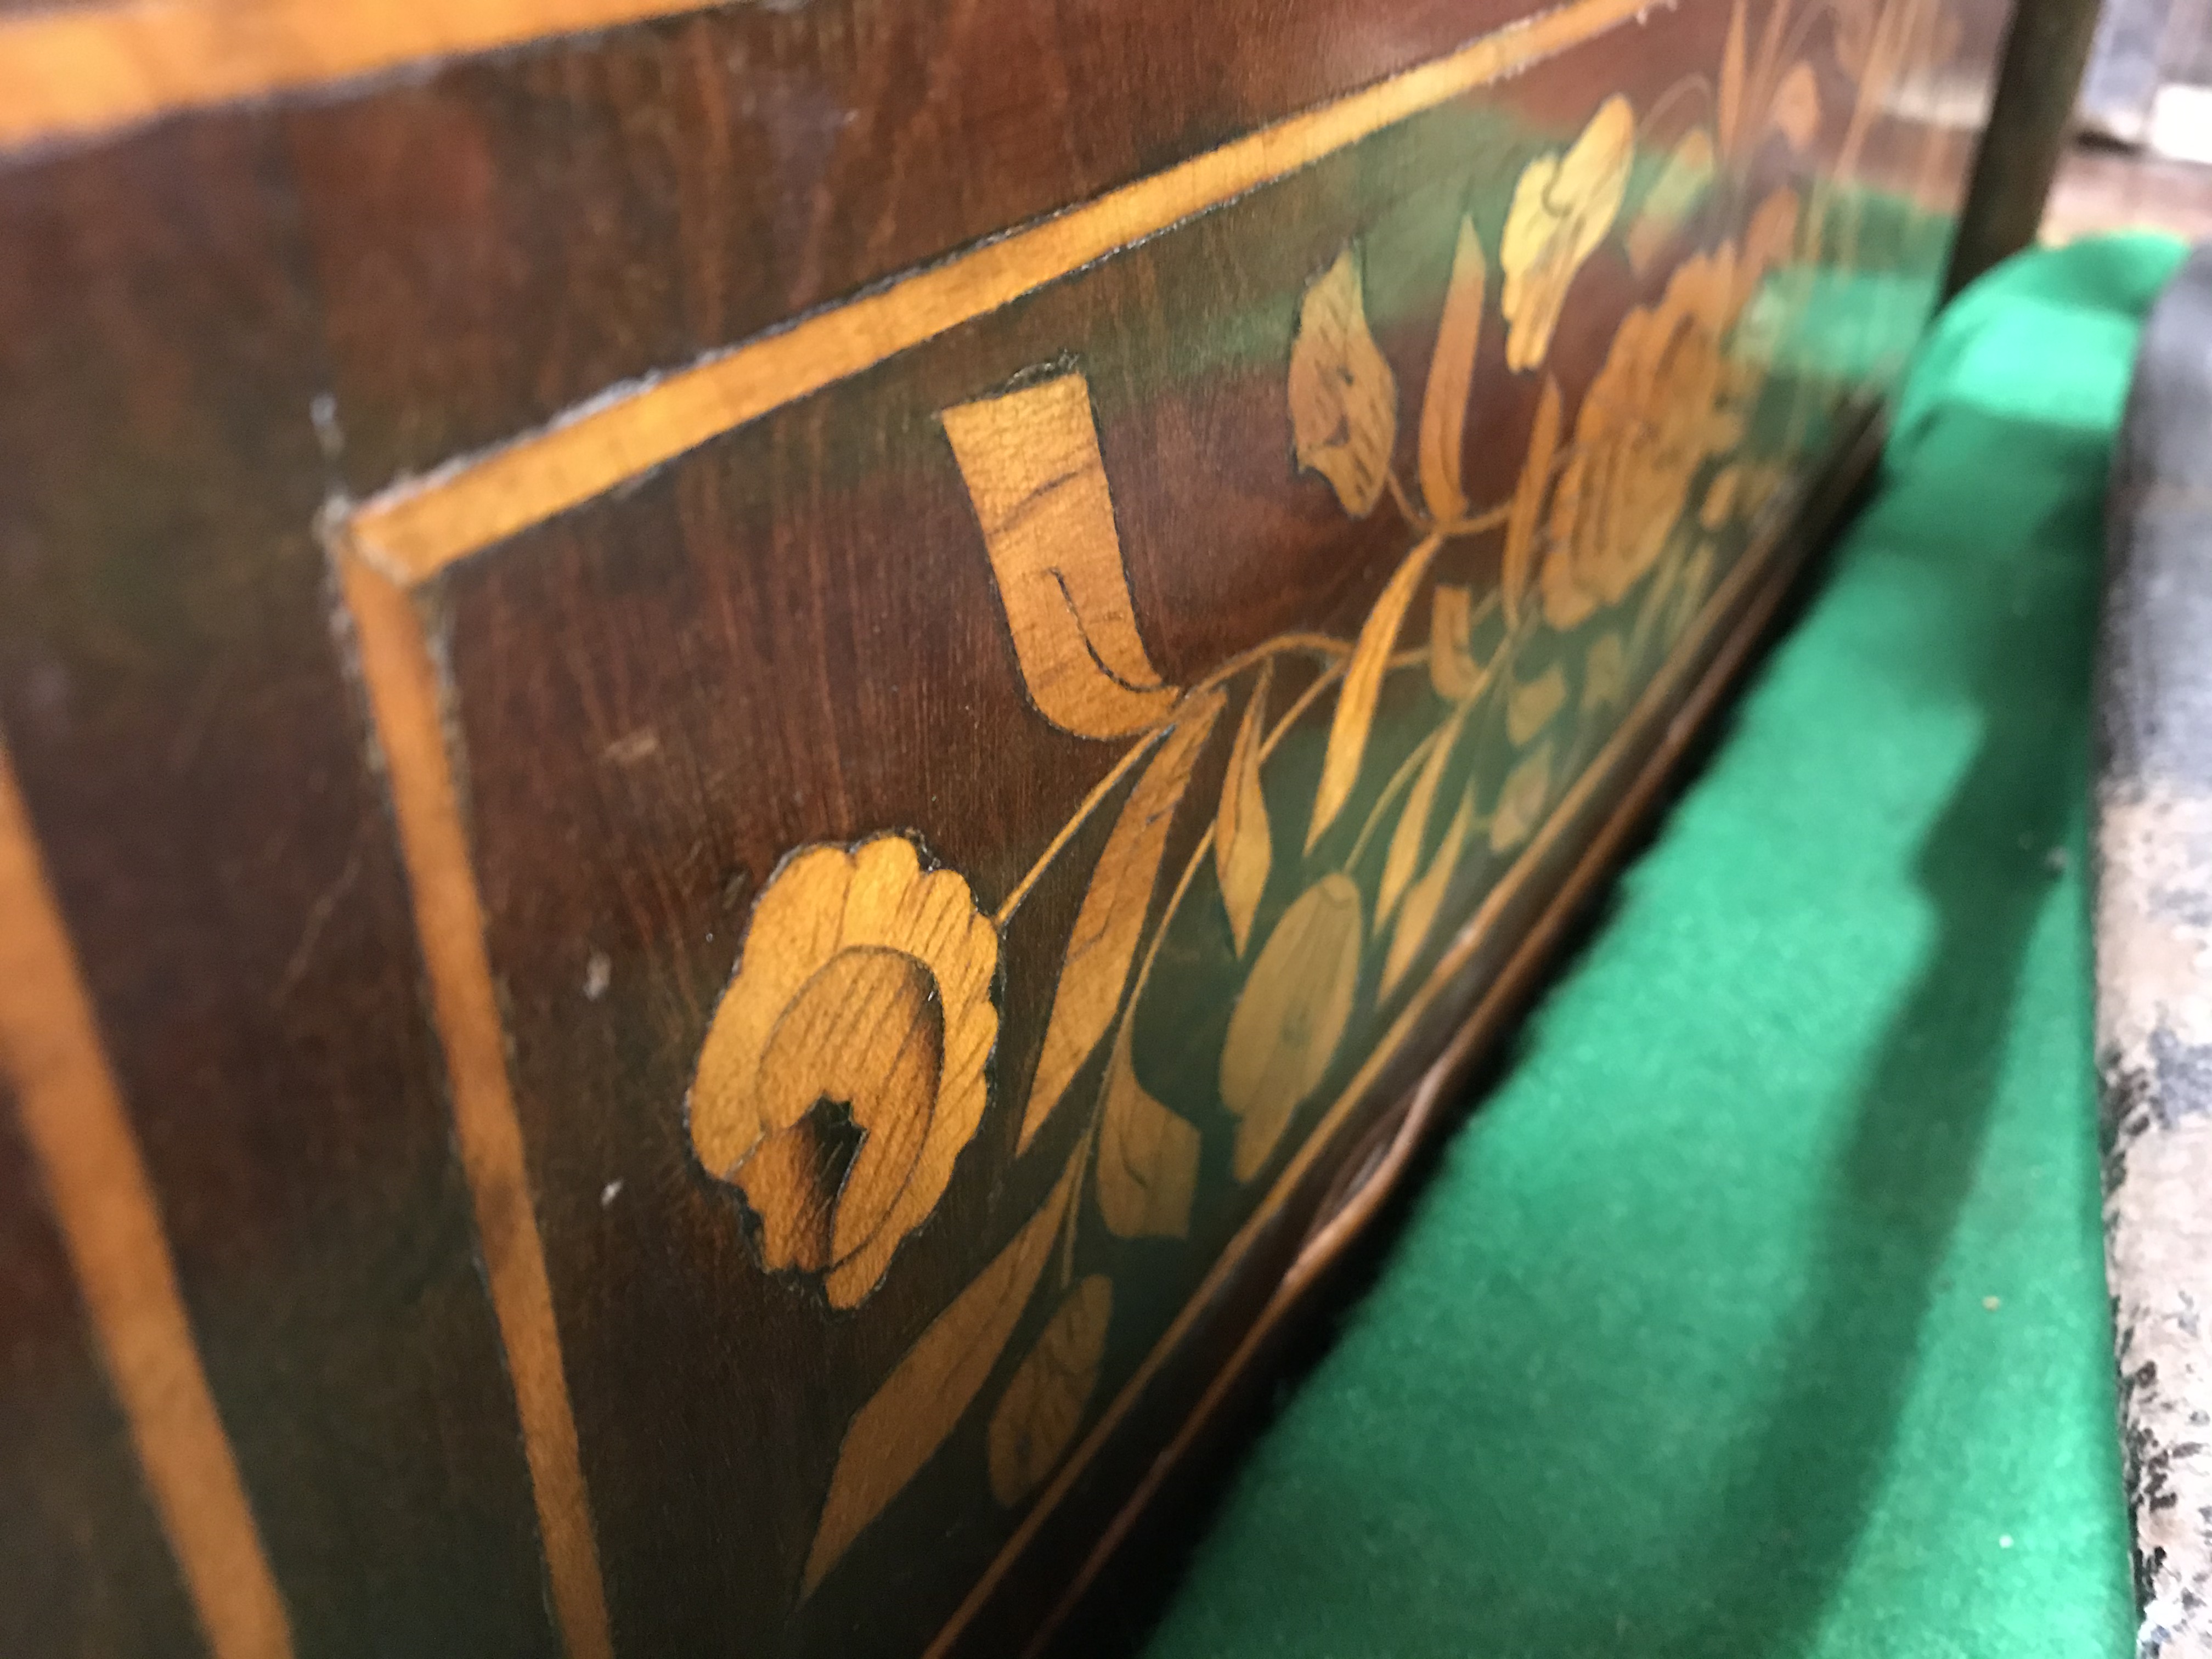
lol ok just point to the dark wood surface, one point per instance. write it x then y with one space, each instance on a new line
519 233
176 712
404 889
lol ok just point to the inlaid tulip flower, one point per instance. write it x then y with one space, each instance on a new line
1562 208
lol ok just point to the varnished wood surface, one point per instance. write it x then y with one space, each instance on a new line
421 528
404 695
89 1567
760 735
519 234
191 758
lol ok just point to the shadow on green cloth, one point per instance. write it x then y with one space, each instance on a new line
2029 339
1924 1105
1967 477
1991 508
2049 339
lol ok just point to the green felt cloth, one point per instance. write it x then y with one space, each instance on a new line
1760 1311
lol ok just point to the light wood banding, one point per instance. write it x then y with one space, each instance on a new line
73 1119
403 691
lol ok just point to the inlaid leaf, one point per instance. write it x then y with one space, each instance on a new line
1243 843
1525 515
1419 919
1344 399
1769 241
1290 1018
1363 684
1719 506
1451 374
1728 102
1796 109
1452 667
1530 705
1413 827
1685 178
1605 673
1031 465
1147 1155
1696 577
1521 803
927 1392
1658 597
1111 920
1042 1408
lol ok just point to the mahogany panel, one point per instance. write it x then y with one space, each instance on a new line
87 1570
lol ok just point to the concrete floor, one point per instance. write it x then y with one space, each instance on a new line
2104 189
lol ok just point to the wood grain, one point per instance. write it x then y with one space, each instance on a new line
186 736
76 71
505 237
906 468
72 1117
843 1074
1031 465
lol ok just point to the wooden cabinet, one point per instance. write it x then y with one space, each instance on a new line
757 759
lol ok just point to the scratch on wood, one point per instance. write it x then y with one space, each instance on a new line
319 916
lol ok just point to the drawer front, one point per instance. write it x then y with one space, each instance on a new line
750 751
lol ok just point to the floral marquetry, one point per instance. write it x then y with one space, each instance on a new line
852 1056
1660 408
921 675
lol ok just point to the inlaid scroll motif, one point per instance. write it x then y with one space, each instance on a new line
1030 461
